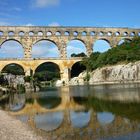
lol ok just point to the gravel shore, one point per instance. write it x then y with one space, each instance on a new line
13 129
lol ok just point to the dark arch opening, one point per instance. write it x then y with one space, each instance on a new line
47 71
101 45
14 69
11 49
45 48
76 48
76 69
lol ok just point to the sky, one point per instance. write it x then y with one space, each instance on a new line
100 13
92 13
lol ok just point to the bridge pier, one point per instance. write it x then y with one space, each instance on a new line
65 75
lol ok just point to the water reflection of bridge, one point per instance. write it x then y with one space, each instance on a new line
116 127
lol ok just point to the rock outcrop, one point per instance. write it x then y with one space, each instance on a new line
122 73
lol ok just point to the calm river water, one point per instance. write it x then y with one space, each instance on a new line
102 112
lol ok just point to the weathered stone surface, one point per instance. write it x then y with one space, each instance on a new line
88 35
122 73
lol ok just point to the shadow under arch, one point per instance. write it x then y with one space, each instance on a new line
13 68
101 45
76 69
9 47
47 71
45 48
76 46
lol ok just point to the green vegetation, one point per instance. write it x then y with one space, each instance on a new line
82 54
49 102
3 81
45 75
126 52
128 110
13 69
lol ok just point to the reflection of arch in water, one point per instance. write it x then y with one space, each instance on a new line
49 121
49 102
80 119
105 118
81 100
17 102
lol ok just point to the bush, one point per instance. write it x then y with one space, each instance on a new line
128 52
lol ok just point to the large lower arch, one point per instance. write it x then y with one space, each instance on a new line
45 48
76 48
47 71
76 69
11 49
14 69
101 45
124 40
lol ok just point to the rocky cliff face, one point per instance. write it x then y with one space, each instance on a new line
122 73
14 80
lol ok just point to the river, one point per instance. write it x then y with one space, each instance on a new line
87 112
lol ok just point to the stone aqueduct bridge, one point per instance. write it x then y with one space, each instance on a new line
60 36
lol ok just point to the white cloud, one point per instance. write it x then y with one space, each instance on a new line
74 49
54 24
44 3
8 49
44 49
29 24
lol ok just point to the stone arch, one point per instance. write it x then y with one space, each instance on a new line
17 64
101 45
11 33
36 41
21 33
45 48
76 69
121 41
13 39
76 46
11 48
43 67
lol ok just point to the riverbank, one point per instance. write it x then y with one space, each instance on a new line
13 129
